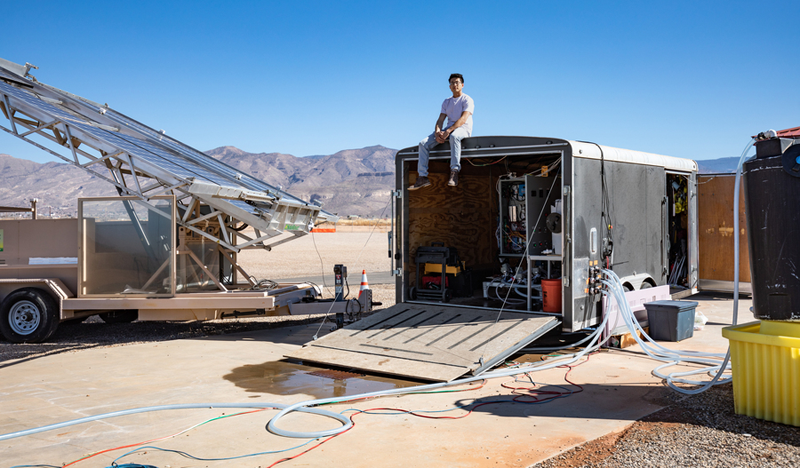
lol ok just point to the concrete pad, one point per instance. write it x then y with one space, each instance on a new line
618 388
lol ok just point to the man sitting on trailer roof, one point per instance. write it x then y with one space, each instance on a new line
458 111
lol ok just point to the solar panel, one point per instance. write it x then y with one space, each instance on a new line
143 162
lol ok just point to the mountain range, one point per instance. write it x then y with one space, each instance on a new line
350 182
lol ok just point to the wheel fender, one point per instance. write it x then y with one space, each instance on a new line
636 281
57 289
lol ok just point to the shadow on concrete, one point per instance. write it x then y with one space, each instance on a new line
713 409
94 333
589 401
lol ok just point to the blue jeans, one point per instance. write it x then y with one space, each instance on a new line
428 143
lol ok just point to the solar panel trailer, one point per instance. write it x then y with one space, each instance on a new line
166 247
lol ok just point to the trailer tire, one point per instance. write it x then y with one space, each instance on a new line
28 315
120 316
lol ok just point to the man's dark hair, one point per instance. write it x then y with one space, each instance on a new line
456 75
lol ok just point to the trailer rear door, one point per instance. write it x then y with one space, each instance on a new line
428 341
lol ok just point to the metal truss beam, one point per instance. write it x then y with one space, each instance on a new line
63 128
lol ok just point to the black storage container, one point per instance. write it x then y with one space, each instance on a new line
671 320
772 201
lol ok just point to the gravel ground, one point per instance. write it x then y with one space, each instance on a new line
700 430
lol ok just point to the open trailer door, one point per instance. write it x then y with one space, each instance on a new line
427 341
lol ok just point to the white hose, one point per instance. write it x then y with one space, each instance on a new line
507 300
671 357
549 364
149 409
714 361
307 406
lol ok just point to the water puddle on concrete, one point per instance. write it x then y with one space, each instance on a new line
287 378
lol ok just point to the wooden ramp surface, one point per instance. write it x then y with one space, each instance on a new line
428 342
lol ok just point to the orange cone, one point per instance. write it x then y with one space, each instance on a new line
364 283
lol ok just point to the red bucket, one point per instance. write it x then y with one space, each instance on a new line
551 295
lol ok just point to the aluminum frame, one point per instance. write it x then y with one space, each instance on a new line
145 163
171 262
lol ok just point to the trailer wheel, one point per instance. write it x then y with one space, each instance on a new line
120 316
28 315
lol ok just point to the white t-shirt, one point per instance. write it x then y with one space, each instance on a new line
453 108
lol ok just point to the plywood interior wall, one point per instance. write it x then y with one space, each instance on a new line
463 217
715 220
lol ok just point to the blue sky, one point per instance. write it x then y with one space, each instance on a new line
692 79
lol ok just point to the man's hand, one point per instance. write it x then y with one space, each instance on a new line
442 136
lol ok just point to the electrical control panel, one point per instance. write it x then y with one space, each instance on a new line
525 203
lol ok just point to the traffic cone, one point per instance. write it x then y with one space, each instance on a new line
364 283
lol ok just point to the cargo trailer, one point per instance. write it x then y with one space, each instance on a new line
531 217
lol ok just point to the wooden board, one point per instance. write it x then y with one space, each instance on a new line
462 217
716 230
427 342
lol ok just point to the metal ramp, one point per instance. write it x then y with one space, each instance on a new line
427 341
142 162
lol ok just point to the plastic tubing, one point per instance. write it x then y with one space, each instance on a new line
307 406
507 300
566 359
522 291
557 348
671 357
149 409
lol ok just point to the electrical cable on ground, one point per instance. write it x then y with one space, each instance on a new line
308 406
324 319
150 409
166 437
193 457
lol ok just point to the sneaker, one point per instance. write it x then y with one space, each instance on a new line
453 179
420 183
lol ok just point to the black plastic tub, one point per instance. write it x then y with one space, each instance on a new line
671 320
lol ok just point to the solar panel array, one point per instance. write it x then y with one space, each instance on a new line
150 153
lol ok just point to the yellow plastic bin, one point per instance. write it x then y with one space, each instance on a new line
765 357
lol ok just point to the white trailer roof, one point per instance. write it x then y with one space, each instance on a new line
586 150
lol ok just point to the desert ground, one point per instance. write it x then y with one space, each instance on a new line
314 255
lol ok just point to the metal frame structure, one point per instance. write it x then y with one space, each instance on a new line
144 163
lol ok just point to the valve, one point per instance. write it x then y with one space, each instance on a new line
594 281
